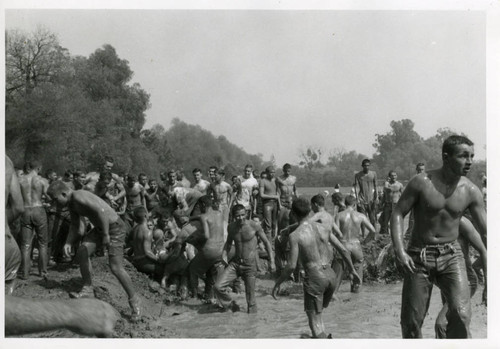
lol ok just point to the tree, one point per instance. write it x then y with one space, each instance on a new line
31 60
311 157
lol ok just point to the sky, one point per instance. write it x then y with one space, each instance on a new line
276 82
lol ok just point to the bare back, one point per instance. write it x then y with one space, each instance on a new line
350 223
87 204
141 235
312 240
33 187
213 227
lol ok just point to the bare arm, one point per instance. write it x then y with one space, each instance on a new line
122 192
404 205
205 227
478 212
267 245
15 201
337 225
228 244
368 225
266 196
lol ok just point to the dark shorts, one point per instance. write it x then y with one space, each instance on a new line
319 285
34 218
12 257
116 236
147 266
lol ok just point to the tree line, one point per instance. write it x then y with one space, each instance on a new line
71 111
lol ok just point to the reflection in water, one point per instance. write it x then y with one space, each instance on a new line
372 313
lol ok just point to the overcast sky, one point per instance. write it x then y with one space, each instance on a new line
274 82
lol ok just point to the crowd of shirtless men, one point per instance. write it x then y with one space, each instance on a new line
177 232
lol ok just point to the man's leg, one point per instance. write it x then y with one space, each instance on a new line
248 273
224 279
384 229
83 254
26 243
41 228
12 263
268 219
452 280
417 290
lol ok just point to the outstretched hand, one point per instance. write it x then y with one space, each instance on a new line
406 263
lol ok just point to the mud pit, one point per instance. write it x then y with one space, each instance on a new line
373 313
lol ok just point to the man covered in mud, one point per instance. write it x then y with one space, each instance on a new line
310 243
433 256
392 192
365 190
34 218
135 197
244 234
351 224
144 259
269 194
208 260
288 192
110 232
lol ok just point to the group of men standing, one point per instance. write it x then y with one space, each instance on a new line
227 223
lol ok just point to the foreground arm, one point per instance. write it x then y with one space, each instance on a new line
84 316
267 245
404 205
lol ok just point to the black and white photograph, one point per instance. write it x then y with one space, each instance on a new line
267 170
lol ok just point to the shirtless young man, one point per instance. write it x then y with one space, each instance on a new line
392 192
244 233
93 177
288 192
135 197
249 185
143 180
268 190
34 218
222 196
366 195
338 203
110 231
351 224
310 243
144 259
200 184
208 260
151 195
433 255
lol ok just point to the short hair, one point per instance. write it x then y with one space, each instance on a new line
57 187
29 166
301 207
131 178
318 199
391 171
269 168
139 212
214 168
221 172
420 164
108 158
142 175
151 181
338 197
236 208
450 143
365 161
68 173
234 177
350 200
248 166
170 172
205 200
287 166
196 170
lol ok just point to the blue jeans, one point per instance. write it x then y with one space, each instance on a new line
237 267
444 266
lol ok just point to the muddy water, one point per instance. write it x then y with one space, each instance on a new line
373 313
